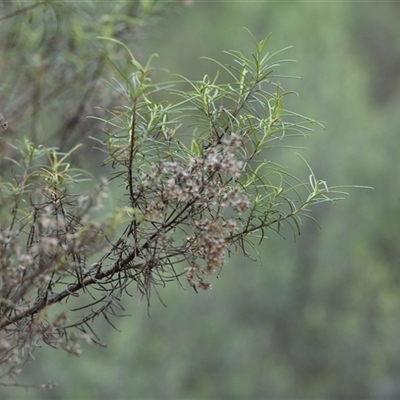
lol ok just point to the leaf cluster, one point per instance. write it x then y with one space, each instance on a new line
198 185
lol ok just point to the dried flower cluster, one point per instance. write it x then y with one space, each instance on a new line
45 246
191 197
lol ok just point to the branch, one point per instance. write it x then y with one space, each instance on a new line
22 10
73 288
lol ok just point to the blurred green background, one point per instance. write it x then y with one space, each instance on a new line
316 318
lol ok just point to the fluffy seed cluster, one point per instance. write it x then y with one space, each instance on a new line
52 244
191 197
209 176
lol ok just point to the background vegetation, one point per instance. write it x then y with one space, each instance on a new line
319 318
